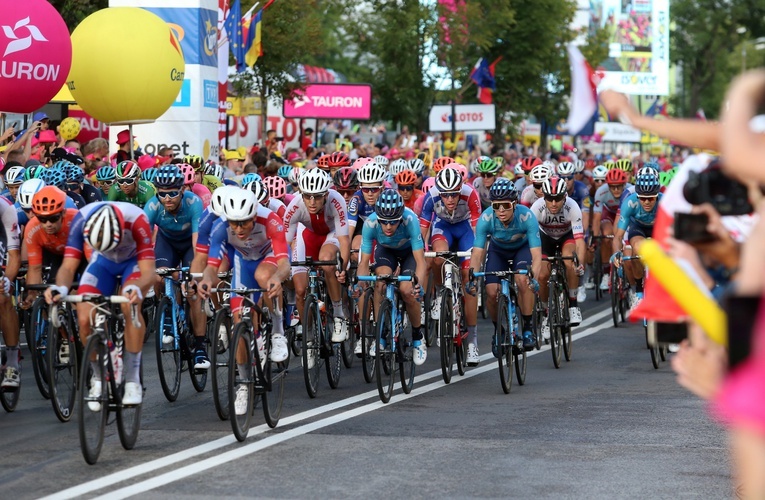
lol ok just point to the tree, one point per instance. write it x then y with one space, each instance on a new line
74 11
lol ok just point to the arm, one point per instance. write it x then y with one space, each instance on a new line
477 258
363 269
148 269
616 243
741 146
536 260
421 269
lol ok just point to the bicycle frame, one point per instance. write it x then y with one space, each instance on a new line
391 295
171 288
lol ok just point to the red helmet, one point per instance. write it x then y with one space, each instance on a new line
589 164
338 159
616 176
346 179
440 163
530 162
406 178
323 162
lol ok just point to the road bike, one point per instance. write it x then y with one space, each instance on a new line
350 304
619 290
597 263
219 322
64 350
557 308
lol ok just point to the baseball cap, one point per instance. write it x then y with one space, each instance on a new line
40 116
123 137
292 157
32 163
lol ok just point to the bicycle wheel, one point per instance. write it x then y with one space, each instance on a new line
663 350
351 324
221 335
39 346
334 361
149 311
624 304
565 329
519 352
311 345
482 297
554 318
504 345
430 324
93 409
446 334
384 352
273 396
241 378
404 353
537 318
128 418
368 334
168 355
198 377
614 296
597 273
62 370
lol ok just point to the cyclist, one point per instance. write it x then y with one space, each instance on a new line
636 219
395 168
456 208
14 178
261 194
560 225
323 214
346 182
9 320
486 170
514 236
418 166
75 183
277 189
190 184
201 177
129 188
371 177
120 237
105 177
537 176
336 161
527 163
396 231
607 201
55 176
406 182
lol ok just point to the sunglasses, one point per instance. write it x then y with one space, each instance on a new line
347 193
240 223
503 205
386 222
107 183
368 190
450 194
51 218
125 182
486 174
646 198
313 197
566 177
555 198
600 181
405 188
537 186
168 194
294 184
616 186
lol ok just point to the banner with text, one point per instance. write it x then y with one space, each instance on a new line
331 101
468 117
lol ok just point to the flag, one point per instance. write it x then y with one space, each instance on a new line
234 29
483 77
584 95
253 47
663 109
653 109
700 114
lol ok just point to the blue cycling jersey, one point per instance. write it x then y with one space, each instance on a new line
358 208
632 212
580 193
523 229
407 234
180 225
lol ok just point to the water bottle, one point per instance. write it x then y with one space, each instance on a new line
322 307
116 356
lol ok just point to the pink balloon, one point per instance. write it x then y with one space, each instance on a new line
36 54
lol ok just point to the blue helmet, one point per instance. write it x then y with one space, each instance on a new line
105 173
54 177
62 165
652 165
149 174
74 174
284 171
168 177
390 205
503 189
248 178
647 185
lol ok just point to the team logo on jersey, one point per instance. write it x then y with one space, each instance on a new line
525 216
633 204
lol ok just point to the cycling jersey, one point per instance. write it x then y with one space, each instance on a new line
277 207
528 196
406 236
411 203
483 192
605 200
520 184
522 229
144 193
579 193
211 182
9 232
38 241
177 226
556 226
265 241
358 208
206 224
24 218
91 194
79 201
7 195
633 213
468 207
332 218
203 193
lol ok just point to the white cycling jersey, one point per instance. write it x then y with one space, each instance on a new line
528 196
558 225
332 219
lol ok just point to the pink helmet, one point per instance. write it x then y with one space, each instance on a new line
188 174
276 187
461 169
360 162
428 183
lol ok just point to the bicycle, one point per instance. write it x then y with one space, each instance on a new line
350 303
64 350
597 263
173 323
368 333
619 290
317 347
93 411
39 347
451 324
507 342
262 378
557 308
219 333
392 345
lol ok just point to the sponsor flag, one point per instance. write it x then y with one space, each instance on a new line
483 77
233 26
253 47
583 106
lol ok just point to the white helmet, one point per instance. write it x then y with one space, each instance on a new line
541 173
27 192
416 165
381 160
315 181
579 164
449 179
566 168
218 199
398 166
103 229
294 175
518 169
14 175
261 193
599 173
240 205
372 173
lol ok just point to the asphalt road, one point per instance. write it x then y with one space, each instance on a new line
605 425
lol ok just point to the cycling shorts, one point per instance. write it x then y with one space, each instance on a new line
496 260
101 275
393 258
458 236
639 230
607 215
171 253
244 276
308 244
551 245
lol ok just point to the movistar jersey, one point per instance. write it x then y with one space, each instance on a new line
632 212
180 225
522 229
407 234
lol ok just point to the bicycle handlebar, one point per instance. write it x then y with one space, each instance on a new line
240 290
164 271
387 278
466 253
113 299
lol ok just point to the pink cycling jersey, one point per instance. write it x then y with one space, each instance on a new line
204 193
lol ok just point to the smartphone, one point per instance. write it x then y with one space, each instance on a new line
692 228
742 317
666 333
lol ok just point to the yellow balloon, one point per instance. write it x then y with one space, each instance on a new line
69 128
127 66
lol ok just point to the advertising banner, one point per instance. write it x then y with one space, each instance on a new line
469 117
90 128
617 132
331 101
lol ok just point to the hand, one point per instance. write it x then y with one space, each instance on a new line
204 289
189 288
133 293
340 276
533 285
54 293
616 259
700 364
5 285
471 287
618 105
580 270
274 287
7 133
28 300
417 291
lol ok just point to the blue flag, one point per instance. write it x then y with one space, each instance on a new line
234 30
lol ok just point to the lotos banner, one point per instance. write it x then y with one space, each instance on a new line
468 117
331 101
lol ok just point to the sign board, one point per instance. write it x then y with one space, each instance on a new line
468 117
331 101
243 106
617 132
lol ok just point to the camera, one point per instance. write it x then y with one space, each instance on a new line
692 228
662 333
726 195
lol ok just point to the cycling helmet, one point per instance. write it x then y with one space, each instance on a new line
149 174
397 166
33 172
449 179
103 229
218 199
503 189
599 173
589 164
518 169
346 179
647 184
284 171
462 170
195 161
652 165
215 170
624 164
529 162
49 200
241 204
74 174
578 166
127 170
554 186
381 160
475 163
250 177
106 173
616 176
566 168
27 192
14 175
323 162
428 183
540 173
295 174
610 165
372 173
440 163
314 181
338 159
168 177
61 165
390 205
276 186
416 165
55 177
487 166
261 192
188 174
406 178
360 162
500 161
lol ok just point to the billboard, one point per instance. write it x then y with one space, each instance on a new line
469 117
638 45
331 101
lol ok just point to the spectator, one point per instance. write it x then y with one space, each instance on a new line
307 141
